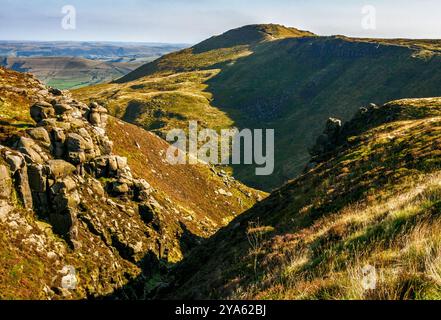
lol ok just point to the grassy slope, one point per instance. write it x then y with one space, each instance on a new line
276 78
16 90
160 103
376 202
192 188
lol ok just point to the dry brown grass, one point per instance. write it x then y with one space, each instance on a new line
407 259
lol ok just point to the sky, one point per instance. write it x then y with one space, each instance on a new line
190 21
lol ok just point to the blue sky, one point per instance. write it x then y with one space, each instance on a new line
190 21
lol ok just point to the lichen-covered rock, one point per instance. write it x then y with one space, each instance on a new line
40 134
97 115
5 183
32 150
59 168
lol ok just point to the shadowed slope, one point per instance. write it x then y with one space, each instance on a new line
375 201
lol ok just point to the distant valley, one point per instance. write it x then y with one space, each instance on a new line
69 65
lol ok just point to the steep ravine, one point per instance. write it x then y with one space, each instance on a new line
68 203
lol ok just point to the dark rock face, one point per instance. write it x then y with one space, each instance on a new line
42 110
328 140
147 212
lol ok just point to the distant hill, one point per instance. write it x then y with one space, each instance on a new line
229 46
67 65
70 73
268 76
86 49
248 35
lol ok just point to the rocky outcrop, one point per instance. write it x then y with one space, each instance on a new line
47 164
335 134
327 141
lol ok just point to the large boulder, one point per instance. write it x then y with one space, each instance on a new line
59 169
75 142
97 115
23 188
15 162
19 171
42 110
76 146
62 108
28 147
142 190
55 91
40 134
58 138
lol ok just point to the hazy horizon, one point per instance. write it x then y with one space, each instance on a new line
190 21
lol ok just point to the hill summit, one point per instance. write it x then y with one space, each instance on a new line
249 34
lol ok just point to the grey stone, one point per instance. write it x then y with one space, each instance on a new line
31 149
60 168
61 108
97 188
58 135
42 110
75 142
67 185
40 134
5 183
23 188
95 118
76 157
15 162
